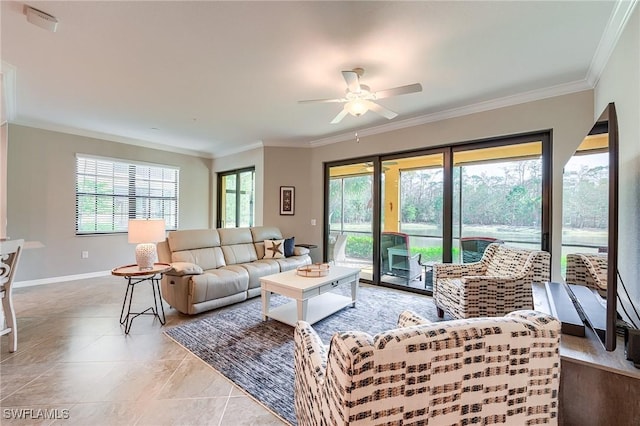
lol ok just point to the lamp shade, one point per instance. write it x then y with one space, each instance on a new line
356 107
146 230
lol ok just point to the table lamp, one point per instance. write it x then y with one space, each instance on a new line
145 233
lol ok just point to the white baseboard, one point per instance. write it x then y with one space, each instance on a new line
29 283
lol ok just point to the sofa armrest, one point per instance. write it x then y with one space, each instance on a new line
300 251
179 269
408 319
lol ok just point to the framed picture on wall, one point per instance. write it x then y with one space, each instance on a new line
287 200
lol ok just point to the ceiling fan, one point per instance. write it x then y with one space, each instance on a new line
359 98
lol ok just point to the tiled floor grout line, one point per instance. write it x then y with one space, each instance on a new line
226 404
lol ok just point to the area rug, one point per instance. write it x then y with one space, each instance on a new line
258 355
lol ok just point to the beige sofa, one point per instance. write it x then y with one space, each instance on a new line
218 267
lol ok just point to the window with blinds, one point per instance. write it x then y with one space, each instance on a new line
109 192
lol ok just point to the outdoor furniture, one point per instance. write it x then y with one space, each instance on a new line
500 283
589 270
474 247
9 257
396 258
339 249
482 370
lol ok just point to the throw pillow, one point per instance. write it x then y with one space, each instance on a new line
273 249
289 244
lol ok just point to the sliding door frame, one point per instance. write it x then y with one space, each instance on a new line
544 136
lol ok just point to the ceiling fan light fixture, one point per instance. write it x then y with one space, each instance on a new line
356 107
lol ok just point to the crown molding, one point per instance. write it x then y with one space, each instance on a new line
520 98
617 22
110 137
239 150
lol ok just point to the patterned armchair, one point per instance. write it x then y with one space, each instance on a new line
482 370
496 285
589 270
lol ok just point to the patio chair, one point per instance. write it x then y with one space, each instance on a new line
9 256
339 249
396 258
474 247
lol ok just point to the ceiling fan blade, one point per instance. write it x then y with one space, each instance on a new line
386 113
316 101
353 81
402 90
340 116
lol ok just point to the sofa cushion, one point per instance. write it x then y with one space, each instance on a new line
193 239
260 268
288 263
206 258
273 249
261 233
289 245
237 245
239 253
233 236
218 283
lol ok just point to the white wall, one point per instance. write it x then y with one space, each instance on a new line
620 83
41 201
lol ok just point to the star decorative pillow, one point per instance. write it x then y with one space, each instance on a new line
273 249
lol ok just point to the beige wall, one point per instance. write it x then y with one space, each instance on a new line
41 201
290 167
252 158
620 83
570 117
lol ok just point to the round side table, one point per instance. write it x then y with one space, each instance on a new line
135 275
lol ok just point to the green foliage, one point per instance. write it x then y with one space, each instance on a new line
361 247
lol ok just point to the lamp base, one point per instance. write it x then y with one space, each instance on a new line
145 255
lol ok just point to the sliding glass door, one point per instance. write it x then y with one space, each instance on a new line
350 216
412 219
497 197
395 215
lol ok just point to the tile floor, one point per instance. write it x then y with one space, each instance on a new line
74 362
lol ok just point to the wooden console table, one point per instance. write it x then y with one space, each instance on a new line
596 387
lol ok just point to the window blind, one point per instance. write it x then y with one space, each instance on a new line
109 192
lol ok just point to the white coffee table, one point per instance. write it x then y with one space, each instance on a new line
313 297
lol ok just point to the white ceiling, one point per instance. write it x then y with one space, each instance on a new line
221 77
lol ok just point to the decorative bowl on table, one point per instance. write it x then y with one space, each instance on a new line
313 270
